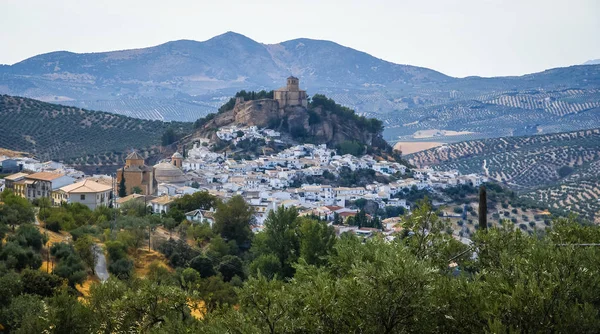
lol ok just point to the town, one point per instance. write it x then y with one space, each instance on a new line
266 183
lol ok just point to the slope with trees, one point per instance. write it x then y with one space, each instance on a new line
79 136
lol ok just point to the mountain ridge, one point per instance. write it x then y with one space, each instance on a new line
185 80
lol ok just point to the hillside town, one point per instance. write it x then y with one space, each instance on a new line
267 182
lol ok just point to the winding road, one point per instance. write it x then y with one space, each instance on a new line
100 268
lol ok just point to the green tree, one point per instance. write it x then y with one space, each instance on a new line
15 210
84 246
136 190
317 240
267 265
122 187
203 266
428 242
69 264
40 283
233 220
24 315
231 266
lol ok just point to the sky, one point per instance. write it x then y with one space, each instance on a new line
456 37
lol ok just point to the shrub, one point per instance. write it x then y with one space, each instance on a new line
121 268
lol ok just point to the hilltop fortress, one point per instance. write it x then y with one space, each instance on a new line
291 95
287 110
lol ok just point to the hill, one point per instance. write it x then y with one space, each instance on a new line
559 170
75 135
592 62
183 80
322 122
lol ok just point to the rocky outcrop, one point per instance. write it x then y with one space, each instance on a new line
316 126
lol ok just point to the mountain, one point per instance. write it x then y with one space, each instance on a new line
185 80
77 136
559 170
592 62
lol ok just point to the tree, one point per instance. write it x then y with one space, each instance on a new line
428 242
122 186
203 266
18 257
317 240
29 236
69 264
85 247
121 268
267 265
231 266
15 210
214 292
169 137
482 208
233 220
136 190
23 315
40 283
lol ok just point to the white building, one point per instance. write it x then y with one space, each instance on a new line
90 193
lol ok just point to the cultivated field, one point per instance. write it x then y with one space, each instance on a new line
559 170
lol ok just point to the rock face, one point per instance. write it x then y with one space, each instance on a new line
316 126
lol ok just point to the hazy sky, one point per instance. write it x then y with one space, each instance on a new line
459 38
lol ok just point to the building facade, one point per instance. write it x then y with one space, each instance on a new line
40 184
291 94
136 174
90 193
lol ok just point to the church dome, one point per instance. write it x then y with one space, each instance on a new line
165 172
177 155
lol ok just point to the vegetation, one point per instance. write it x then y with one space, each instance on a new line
556 171
299 277
51 131
372 125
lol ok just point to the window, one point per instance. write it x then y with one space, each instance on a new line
82 197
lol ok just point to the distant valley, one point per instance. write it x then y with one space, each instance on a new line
185 80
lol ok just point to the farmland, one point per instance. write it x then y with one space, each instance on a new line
559 170
74 135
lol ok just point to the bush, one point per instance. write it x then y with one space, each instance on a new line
458 210
565 171
203 266
231 266
121 268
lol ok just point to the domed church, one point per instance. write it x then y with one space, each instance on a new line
137 175
170 172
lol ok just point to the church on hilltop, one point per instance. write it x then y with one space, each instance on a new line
291 95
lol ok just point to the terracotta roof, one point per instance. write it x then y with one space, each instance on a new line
347 214
44 176
163 200
16 176
128 198
134 156
86 186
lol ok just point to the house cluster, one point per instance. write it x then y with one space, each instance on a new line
266 182
60 187
236 133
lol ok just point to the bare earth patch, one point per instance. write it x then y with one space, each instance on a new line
408 147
